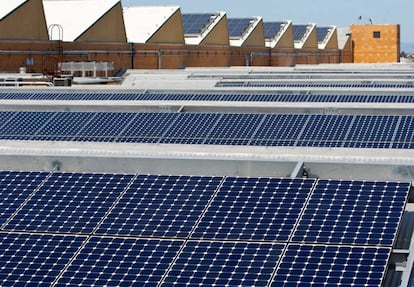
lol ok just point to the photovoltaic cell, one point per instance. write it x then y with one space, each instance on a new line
299 31
224 264
254 209
34 259
15 188
237 26
356 213
160 206
271 29
322 33
120 262
195 23
70 202
309 265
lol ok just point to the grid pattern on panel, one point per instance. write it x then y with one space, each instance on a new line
104 127
353 212
70 202
299 31
309 265
120 262
271 29
322 33
372 131
63 126
190 128
254 209
325 130
147 127
195 23
404 137
237 26
160 206
224 264
25 124
234 129
34 259
15 188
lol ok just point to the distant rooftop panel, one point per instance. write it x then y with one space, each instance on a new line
195 23
299 31
237 26
271 29
322 33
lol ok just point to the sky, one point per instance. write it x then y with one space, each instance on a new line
340 13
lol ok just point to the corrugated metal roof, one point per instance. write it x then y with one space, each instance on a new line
8 6
142 22
75 16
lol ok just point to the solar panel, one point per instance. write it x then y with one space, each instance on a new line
15 188
69 202
322 33
106 261
34 259
24 124
160 206
356 213
271 29
254 209
237 26
195 23
299 32
317 265
224 264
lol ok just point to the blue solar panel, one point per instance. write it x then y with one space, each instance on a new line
195 23
15 188
271 29
356 213
190 128
224 264
308 265
160 206
299 32
24 124
254 209
322 33
146 127
234 129
120 262
237 26
69 202
34 259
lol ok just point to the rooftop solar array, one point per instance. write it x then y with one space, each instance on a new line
299 32
334 85
195 23
271 29
351 131
238 26
87 229
322 33
222 97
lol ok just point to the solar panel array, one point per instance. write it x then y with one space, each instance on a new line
87 229
222 97
351 131
238 26
195 23
322 33
299 32
271 29
335 85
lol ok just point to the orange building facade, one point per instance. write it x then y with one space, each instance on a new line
375 43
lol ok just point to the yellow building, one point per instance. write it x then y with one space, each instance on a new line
376 43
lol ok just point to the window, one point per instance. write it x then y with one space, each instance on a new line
377 34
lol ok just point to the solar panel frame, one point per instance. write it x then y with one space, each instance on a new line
238 26
271 29
195 23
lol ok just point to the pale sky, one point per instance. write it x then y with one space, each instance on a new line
340 13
